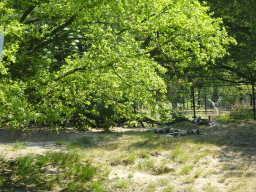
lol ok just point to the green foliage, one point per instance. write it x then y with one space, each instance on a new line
238 112
1 43
98 59
164 114
239 19
178 116
1 180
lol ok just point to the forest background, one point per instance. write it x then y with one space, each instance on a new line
94 63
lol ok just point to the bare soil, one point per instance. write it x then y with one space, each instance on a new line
232 168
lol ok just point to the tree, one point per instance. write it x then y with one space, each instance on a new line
239 19
1 43
91 58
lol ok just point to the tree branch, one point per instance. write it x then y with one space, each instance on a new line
119 76
77 69
110 64
144 20
249 71
71 19
159 46
153 14
31 21
231 81
26 13
54 32
240 74
69 72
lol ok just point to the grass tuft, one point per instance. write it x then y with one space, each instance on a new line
122 184
84 173
222 179
209 188
151 187
189 180
186 170
197 174
163 181
179 154
24 166
169 188
147 165
97 186
60 142
18 145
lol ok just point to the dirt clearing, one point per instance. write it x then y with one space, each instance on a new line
135 159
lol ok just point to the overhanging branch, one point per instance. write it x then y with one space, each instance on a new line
232 81
145 19
69 72
26 13
159 46
119 76
110 64
239 73
54 32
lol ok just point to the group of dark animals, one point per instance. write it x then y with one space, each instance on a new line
177 132
77 121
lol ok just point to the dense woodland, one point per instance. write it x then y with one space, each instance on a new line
94 63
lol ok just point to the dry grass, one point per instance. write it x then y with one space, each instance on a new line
222 156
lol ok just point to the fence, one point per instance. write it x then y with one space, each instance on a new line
214 100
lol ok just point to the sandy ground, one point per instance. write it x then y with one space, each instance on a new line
35 140
39 140
235 159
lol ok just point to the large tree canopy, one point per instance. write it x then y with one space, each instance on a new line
239 19
65 58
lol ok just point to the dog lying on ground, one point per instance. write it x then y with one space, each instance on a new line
172 132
